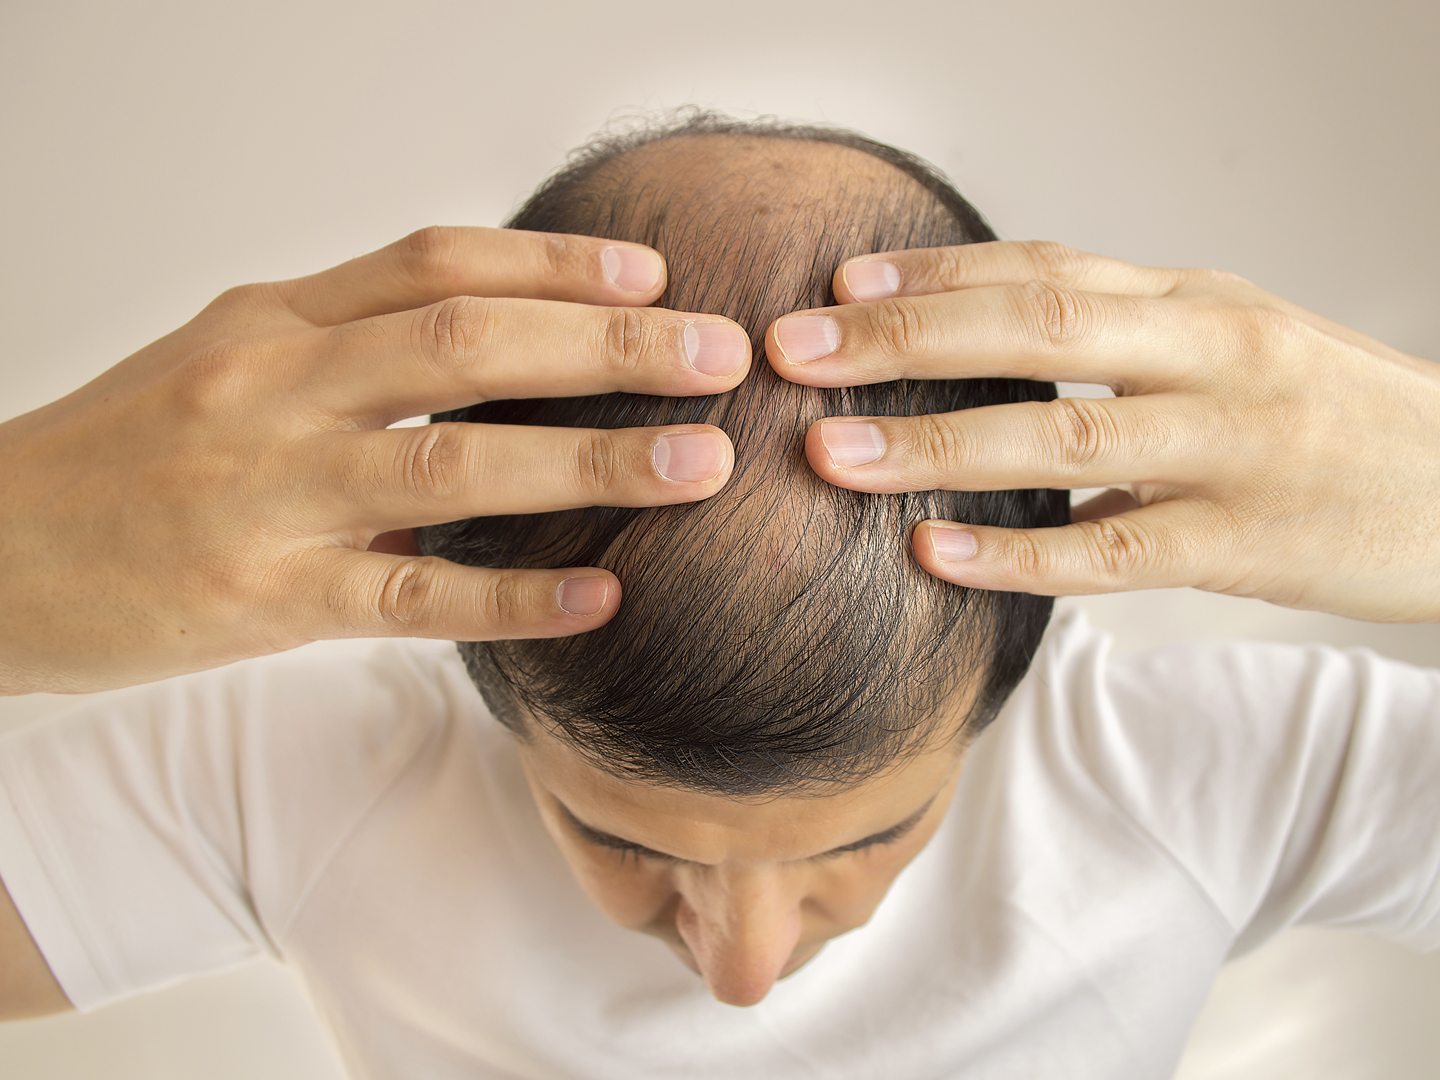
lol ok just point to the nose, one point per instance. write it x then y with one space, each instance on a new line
742 928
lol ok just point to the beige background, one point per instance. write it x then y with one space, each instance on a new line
154 154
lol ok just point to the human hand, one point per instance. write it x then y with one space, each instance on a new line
1253 448
213 496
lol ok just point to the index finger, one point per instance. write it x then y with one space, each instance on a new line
440 262
1038 330
921 271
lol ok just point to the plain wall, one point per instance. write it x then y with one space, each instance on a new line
152 155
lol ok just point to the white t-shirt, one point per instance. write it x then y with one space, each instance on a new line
1124 827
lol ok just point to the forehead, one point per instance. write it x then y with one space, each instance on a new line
714 828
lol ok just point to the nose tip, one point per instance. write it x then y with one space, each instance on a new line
740 950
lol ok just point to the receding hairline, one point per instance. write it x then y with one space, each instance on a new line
695 160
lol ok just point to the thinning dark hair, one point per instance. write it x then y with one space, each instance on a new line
778 638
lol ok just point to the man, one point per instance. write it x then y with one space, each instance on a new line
1086 876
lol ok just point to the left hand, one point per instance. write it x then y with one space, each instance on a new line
1252 448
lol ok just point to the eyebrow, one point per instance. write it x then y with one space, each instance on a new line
600 838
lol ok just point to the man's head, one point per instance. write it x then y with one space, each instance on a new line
778 637
779 657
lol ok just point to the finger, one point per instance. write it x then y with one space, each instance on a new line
921 271
1163 545
1067 443
440 262
1037 330
404 477
365 594
468 349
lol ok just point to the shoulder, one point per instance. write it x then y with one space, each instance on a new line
298 744
1208 697
365 695
1241 762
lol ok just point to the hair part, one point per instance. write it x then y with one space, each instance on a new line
778 637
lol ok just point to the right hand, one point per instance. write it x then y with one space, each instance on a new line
215 496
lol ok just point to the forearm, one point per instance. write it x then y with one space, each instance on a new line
27 986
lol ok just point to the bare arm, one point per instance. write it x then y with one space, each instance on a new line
27 988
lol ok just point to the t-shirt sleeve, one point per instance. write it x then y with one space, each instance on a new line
170 830
1294 784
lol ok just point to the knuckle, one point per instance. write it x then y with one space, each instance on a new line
596 464
503 602
429 254
1216 280
211 380
559 256
1052 315
1082 430
243 298
1269 332
950 266
453 333
1055 262
938 443
408 593
627 341
1025 559
895 325
435 464
1116 547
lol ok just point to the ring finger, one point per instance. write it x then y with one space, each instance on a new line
1067 443
408 477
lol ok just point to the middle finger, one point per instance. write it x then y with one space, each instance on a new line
470 349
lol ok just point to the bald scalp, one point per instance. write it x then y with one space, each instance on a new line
777 637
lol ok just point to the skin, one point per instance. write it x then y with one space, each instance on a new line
743 892
225 489
27 988
1252 448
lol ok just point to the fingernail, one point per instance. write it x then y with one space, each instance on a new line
803 338
582 595
851 442
952 545
871 280
635 270
689 456
715 348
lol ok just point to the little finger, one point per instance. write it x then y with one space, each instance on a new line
408 477
366 594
